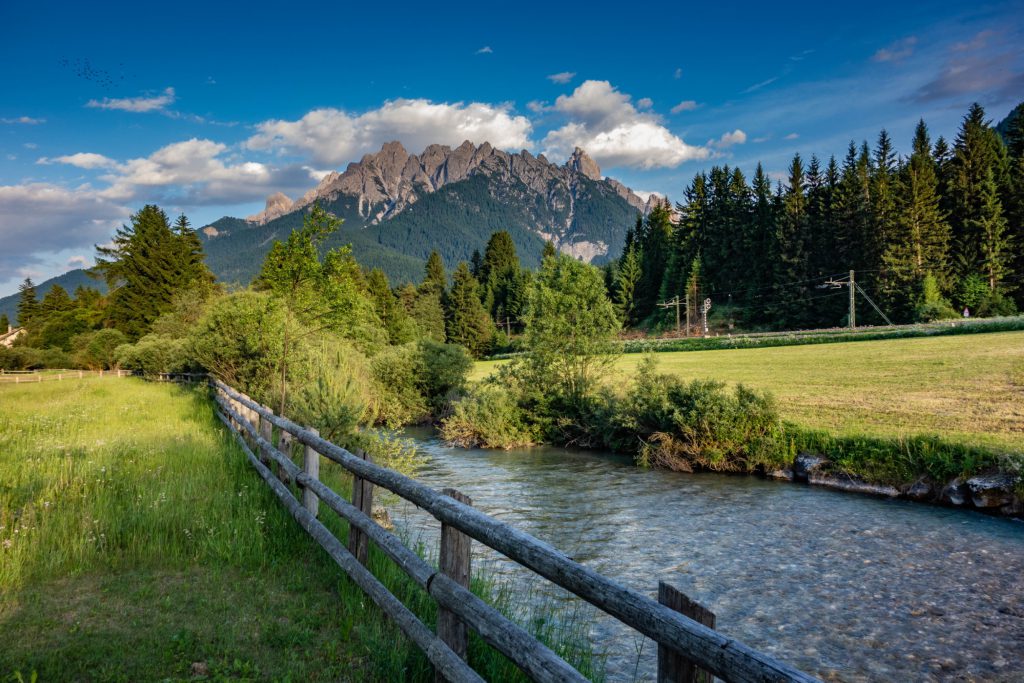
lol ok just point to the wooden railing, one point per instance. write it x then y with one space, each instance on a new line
688 650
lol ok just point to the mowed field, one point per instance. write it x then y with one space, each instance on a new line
966 388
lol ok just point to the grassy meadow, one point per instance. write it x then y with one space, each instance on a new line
136 543
966 389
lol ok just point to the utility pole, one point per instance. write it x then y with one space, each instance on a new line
674 301
853 302
851 282
706 307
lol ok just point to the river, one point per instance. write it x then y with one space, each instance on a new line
843 586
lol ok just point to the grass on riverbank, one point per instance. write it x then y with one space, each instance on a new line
967 390
136 543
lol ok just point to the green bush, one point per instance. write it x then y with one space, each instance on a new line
240 339
700 423
932 305
489 417
444 372
97 350
154 354
336 395
395 371
31 358
994 303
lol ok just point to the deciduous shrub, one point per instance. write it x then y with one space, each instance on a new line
97 350
154 354
489 417
701 423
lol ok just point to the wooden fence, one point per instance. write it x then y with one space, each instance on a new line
27 376
689 649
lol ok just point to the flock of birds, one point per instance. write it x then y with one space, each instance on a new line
84 69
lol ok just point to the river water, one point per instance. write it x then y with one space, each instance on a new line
845 587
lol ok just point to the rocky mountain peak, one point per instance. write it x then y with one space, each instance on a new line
581 162
385 183
278 204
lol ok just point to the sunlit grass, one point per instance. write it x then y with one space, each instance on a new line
967 389
136 543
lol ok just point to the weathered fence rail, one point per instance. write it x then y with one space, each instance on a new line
686 646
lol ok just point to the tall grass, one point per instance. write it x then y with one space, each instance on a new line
137 544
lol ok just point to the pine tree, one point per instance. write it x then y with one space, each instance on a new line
919 245
434 280
974 158
144 269
192 262
685 240
627 278
427 309
56 300
854 210
760 244
467 323
1014 204
655 250
498 272
389 310
28 304
883 203
5 323
991 229
549 251
790 291
475 263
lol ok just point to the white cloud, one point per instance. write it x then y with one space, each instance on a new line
136 104
77 262
87 160
31 145
644 103
678 74
604 122
685 105
737 137
792 136
758 86
332 136
315 174
26 120
40 219
562 77
896 52
11 157
537 106
192 168
485 50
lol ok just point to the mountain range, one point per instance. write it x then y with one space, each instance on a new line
398 206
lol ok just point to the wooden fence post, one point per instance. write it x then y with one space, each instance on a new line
267 432
455 564
362 499
311 466
672 666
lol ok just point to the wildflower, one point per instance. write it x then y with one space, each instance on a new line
8 543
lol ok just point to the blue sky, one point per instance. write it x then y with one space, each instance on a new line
207 110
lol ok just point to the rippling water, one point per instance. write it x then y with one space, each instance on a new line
845 587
